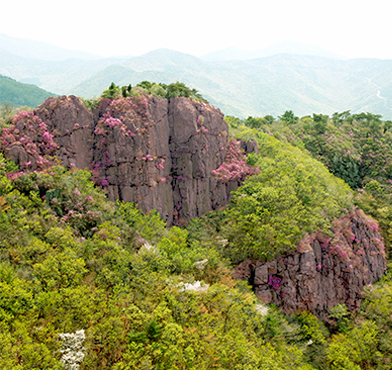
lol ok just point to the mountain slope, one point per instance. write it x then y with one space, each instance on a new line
56 76
16 93
132 293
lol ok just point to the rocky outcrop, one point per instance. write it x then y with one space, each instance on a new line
175 156
324 271
158 153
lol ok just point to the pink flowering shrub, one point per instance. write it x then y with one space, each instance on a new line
14 175
99 131
104 182
159 164
34 136
234 168
200 120
112 122
130 115
127 118
274 282
343 251
71 197
202 130
348 248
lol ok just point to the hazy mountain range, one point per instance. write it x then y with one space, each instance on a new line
32 49
285 47
305 79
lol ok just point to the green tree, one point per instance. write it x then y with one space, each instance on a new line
233 122
289 197
269 119
288 117
145 85
355 350
112 92
255 122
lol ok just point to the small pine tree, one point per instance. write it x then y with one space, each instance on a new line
112 92
124 91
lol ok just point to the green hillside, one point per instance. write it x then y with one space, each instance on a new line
16 93
354 147
56 76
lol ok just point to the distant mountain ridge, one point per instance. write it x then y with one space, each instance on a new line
33 49
56 76
285 47
273 84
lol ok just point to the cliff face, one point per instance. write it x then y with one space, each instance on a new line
158 153
324 272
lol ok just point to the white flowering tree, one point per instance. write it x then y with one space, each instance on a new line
72 351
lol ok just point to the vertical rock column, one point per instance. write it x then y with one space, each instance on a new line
198 143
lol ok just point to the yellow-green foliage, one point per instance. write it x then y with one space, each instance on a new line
365 341
354 350
355 147
160 90
292 195
376 200
60 274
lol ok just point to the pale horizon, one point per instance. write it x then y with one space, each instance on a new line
352 29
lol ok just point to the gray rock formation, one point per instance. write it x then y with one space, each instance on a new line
324 272
156 152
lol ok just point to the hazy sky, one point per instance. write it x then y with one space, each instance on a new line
352 28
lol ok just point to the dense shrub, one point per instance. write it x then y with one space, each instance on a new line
291 196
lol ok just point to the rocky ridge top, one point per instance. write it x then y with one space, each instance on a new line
159 153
